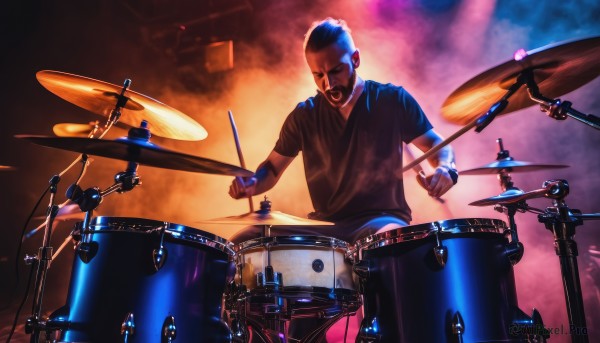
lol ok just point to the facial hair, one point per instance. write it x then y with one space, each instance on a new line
339 95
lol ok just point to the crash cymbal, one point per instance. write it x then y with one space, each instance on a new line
268 218
557 68
137 150
7 168
83 130
101 97
508 197
510 165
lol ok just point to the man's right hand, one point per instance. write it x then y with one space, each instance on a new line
242 187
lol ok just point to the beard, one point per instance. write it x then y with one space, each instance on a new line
339 96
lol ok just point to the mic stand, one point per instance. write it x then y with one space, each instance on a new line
562 222
35 323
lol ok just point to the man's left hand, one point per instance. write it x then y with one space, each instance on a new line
438 183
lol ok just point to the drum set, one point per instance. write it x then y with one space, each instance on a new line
142 280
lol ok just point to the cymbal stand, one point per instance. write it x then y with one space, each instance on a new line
504 174
35 323
515 249
562 222
555 108
115 114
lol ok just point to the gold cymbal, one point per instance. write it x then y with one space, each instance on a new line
101 97
140 151
83 130
557 69
268 218
7 168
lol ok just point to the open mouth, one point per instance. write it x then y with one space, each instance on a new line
335 95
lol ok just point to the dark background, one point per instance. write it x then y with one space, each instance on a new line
431 47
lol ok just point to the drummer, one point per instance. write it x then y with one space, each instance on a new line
351 134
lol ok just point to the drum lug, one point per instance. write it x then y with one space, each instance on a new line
269 278
238 331
528 327
87 251
362 269
440 251
514 252
128 327
169 330
369 331
458 326
159 257
59 319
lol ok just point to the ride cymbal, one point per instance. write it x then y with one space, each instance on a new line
557 69
101 98
140 151
510 165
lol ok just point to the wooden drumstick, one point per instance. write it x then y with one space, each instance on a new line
239 152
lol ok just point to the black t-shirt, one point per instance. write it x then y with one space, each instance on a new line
354 168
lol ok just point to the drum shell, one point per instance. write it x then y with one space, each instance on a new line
414 299
293 257
121 278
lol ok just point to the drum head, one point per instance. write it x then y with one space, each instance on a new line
171 230
300 241
419 231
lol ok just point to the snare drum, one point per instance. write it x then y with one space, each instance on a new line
283 278
435 282
140 280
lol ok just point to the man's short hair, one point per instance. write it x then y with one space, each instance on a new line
326 32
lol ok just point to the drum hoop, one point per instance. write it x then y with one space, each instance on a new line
293 240
177 231
419 231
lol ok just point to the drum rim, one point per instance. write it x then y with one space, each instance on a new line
177 231
293 240
423 230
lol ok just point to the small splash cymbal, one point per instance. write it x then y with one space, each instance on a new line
554 189
510 165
